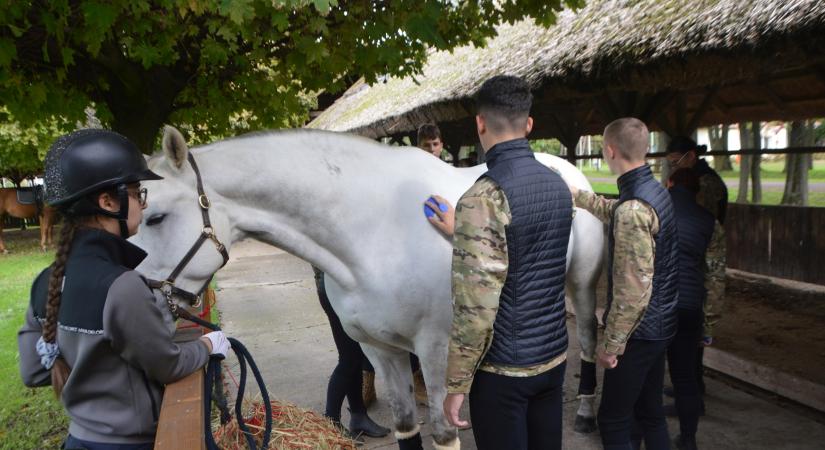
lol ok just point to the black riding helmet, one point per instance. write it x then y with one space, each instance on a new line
89 161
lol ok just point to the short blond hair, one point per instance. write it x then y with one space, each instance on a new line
629 137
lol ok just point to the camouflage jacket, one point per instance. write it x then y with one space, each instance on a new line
714 278
480 263
633 262
711 190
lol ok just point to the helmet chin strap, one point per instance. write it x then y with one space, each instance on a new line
123 214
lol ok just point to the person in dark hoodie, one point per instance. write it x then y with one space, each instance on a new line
683 152
94 330
701 287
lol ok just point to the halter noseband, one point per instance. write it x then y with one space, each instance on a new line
167 286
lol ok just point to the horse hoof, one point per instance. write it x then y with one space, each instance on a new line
585 424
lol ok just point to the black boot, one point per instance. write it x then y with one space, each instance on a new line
360 423
685 443
346 433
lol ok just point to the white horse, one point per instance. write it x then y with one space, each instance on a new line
353 208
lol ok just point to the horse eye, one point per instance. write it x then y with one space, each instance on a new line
156 219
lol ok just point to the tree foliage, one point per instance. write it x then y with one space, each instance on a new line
216 64
23 147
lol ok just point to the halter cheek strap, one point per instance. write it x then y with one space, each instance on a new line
167 287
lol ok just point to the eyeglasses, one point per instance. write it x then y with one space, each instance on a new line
140 195
676 163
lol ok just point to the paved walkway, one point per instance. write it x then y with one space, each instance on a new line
267 300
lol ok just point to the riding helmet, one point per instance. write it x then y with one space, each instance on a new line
88 161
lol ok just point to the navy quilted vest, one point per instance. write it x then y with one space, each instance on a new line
530 325
695 226
659 320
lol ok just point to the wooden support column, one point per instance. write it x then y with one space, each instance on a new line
453 146
569 134
681 114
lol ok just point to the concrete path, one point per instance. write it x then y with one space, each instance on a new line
267 300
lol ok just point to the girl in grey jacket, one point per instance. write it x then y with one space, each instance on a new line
94 330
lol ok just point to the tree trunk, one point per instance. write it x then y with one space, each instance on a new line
744 164
796 181
719 142
660 142
756 164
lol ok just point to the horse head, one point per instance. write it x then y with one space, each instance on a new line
173 221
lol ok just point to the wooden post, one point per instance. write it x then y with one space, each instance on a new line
180 425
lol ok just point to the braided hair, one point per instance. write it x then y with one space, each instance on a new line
60 370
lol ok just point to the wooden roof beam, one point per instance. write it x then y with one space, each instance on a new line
819 71
772 96
606 106
710 93
657 103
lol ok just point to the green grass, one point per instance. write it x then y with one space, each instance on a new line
29 418
771 171
772 197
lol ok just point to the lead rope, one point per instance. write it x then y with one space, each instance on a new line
213 380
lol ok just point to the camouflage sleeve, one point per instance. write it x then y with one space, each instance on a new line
596 204
636 225
710 192
479 271
715 278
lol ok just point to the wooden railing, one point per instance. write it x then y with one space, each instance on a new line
779 241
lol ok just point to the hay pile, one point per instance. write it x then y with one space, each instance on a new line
292 428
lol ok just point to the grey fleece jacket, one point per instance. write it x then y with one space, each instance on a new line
119 345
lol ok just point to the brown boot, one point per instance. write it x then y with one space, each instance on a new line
420 388
368 388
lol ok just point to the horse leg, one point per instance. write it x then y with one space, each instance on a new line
433 357
584 303
43 232
2 244
393 366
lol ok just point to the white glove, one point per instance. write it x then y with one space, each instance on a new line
220 345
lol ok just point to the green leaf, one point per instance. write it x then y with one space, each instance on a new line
68 56
8 52
238 11
37 94
99 16
323 6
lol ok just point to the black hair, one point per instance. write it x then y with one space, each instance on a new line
504 101
684 144
428 131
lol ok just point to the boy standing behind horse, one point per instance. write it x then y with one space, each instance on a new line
640 319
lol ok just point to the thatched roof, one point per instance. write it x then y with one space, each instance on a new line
661 60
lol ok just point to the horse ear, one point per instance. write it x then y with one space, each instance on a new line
174 146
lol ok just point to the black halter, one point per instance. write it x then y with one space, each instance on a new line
167 287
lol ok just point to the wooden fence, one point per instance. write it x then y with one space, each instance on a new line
780 241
